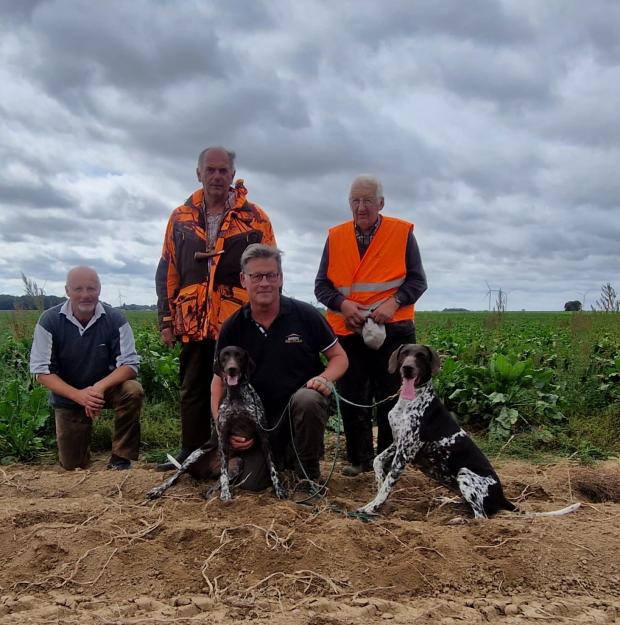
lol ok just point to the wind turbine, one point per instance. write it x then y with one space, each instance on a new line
501 301
490 292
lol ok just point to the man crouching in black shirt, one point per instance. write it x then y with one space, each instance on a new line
284 337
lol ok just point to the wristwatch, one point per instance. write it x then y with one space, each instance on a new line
398 300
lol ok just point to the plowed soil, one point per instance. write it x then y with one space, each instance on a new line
86 547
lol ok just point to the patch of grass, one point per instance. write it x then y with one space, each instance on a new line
594 437
522 446
160 431
528 446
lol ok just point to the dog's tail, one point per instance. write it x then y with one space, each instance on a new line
560 512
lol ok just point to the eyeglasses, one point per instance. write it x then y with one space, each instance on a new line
366 201
257 277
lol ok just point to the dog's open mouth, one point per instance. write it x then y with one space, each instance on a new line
232 380
407 390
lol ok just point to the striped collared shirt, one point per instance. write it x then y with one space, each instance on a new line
364 239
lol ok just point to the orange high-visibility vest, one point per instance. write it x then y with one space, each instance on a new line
374 278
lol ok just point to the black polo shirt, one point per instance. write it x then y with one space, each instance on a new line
286 355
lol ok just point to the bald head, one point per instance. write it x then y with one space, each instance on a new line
82 272
83 288
219 151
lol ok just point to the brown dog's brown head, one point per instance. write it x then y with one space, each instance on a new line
415 362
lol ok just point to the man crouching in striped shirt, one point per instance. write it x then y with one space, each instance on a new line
83 351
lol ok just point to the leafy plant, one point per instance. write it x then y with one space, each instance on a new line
24 413
159 368
15 355
610 380
501 396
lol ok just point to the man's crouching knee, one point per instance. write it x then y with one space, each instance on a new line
307 402
132 391
309 413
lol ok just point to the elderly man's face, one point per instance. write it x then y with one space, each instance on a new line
365 205
83 289
216 175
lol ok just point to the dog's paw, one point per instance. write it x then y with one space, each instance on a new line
368 510
281 492
225 495
154 493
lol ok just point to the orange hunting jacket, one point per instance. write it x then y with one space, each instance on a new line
194 297
374 278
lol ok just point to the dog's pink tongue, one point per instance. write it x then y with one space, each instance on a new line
232 380
407 390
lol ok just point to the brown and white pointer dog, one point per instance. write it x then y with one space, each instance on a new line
240 413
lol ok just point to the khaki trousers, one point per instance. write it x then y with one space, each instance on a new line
74 428
309 414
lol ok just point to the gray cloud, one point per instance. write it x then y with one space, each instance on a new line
484 21
25 194
492 125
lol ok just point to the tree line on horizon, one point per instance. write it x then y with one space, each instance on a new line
28 302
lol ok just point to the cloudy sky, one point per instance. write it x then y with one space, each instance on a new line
493 124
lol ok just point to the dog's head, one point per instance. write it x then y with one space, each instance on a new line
233 364
415 362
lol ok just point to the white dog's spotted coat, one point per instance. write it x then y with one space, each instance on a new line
426 435
474 489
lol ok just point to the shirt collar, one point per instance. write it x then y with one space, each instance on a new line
285 307
231 201
373 229
66 310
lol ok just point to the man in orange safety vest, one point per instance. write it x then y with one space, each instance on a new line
370 268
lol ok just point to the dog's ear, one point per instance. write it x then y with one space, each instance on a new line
217 366
435 360
393 362
248 364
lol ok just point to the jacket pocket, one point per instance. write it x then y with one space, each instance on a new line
231 300
189 310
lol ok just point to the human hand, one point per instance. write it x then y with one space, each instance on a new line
91 398
240 443
353 314
385 312
167 337
320 384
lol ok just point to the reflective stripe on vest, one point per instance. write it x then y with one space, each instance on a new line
375 277
361 287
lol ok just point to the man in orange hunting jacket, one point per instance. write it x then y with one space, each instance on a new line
197 281
371 267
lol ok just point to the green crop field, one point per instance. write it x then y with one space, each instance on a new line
524 383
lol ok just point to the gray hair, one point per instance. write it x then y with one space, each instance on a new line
370 179
260 250
231 155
